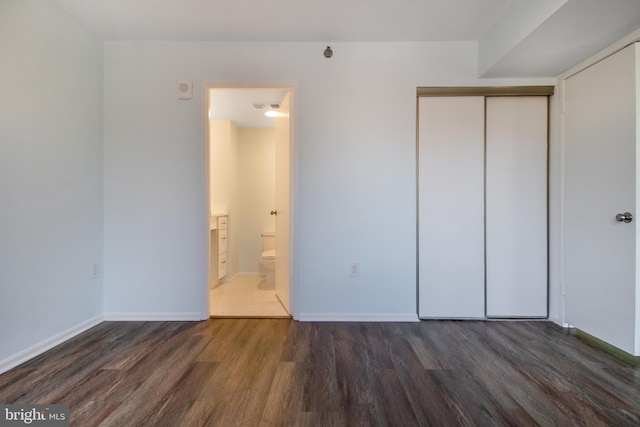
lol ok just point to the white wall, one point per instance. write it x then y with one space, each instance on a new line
223 164
155 210
50 178
223 183
355 125
257 193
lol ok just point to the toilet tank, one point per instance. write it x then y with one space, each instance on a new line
268 240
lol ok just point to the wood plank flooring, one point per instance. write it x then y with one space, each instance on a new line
277 372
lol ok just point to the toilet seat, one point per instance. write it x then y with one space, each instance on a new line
270 254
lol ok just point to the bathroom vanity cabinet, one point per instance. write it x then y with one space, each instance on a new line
219 246
222 246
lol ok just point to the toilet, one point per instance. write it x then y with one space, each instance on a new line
268 257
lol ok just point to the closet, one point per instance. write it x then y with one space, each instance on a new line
482 202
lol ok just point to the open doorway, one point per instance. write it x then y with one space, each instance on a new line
249 199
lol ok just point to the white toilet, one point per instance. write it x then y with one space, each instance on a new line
268 257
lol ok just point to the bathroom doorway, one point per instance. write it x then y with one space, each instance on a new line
250 140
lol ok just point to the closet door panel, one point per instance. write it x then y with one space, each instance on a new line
451 207
516 207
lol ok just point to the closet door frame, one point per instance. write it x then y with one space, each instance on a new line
509 91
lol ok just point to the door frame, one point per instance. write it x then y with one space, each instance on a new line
293 190
486 92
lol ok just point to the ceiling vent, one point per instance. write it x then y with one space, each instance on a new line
263 105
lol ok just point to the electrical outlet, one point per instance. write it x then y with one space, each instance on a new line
95 271
354 269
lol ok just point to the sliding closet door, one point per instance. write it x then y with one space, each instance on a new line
516 206
451 211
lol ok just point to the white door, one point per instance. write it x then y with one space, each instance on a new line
516 206
600 182
282 134
451 207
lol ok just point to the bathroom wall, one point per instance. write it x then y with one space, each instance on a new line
242 180
223 161
256 186
223 182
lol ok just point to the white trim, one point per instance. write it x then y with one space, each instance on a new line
294 285
637 144
47 344
558 139
358 317
472 319
154 317
602 54
235 276
253 274
206 297
291 87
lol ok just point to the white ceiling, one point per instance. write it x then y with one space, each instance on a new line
288 20
516 38
557 33
575 31
237 105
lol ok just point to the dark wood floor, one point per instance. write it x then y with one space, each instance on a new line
267 372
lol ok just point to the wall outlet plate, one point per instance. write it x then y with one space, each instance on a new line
354 269
95 270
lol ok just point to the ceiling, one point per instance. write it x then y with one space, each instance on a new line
288 20
524 38
237 105
516 38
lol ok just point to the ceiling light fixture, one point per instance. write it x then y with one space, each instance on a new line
328 53
273 114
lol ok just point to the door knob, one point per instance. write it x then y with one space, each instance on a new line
624 217
276 213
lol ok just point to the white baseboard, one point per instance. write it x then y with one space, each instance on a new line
154 317
557 321
358 317
47 344
228 279
235 276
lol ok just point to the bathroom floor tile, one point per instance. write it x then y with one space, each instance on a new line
245 296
